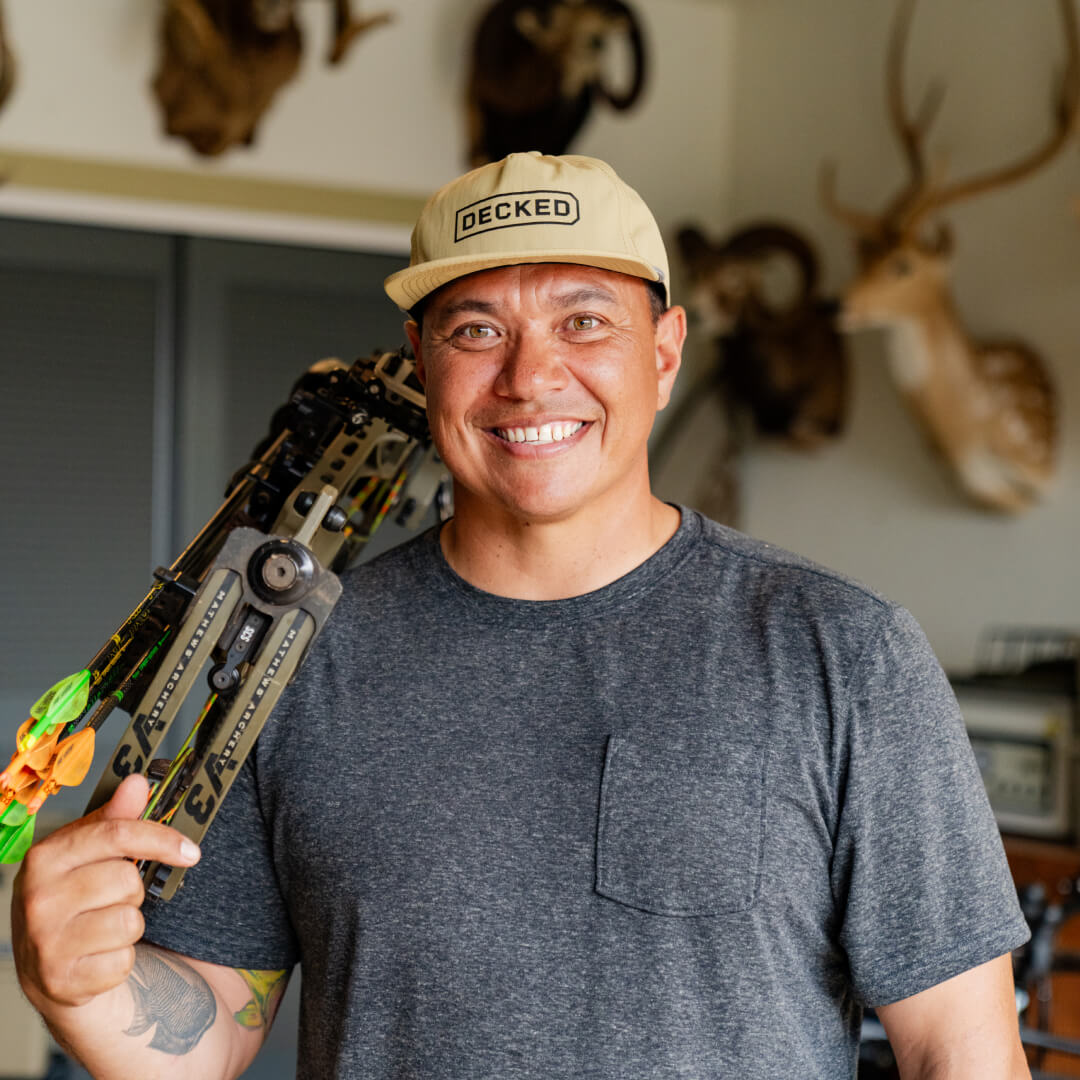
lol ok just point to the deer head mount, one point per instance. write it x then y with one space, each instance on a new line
781 358
222 62
538 66
7 64
988 407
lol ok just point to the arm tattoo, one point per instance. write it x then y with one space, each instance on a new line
266 988
171 994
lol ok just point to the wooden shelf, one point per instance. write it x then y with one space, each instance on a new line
1054 866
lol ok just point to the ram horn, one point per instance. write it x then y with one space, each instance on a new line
637 45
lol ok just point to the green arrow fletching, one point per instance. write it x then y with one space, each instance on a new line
15 840
14 815
61 704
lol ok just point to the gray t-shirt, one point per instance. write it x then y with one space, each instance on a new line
686 825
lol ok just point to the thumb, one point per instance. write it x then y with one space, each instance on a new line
129 799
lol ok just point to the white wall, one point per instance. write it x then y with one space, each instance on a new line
388 119
748 97
878 504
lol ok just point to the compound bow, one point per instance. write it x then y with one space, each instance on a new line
248 595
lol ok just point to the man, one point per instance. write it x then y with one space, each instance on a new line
580 784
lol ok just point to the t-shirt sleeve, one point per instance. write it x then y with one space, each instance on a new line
229 908
919 872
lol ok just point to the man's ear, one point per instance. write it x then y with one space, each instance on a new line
670 336
412 332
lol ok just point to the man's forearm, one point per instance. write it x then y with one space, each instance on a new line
1011 1067
964 1028
165 1021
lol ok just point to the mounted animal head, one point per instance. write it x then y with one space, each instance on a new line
7 64
903 283
901 252
537 68
781 356
988 407
728 279
222 62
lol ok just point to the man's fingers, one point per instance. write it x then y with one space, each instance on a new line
75 914
97 973
102 884
107 929
111 838
129 799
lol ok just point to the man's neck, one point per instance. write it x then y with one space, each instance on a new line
555 560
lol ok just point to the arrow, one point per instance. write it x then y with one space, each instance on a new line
38 768
60 704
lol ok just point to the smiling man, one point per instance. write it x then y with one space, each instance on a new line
543 381
616 791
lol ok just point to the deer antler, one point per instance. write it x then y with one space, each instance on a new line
924 193
1066 110
875 230
865 225
911 133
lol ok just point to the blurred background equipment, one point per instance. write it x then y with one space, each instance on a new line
987 406
537 68
1021 706
222 62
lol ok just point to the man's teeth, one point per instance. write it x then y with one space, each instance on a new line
546 433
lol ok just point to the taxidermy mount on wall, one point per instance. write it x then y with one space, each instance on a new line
537 68
782 358
222 62
988 407
780 369
7 63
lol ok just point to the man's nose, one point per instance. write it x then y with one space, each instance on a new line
532 366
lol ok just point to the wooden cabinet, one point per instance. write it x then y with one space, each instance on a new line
1056 867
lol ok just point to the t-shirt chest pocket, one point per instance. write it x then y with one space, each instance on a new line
682 824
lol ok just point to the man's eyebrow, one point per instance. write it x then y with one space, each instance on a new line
573 298
483 307
585 295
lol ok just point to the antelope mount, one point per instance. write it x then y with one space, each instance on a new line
537 68
222 62
988 406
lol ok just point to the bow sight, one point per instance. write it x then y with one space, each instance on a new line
247 596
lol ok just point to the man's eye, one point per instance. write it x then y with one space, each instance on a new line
476 331
584 322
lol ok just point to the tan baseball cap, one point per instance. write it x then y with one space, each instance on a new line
531 208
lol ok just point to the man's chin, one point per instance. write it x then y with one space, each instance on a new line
533 508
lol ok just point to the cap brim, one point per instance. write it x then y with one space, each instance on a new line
407 287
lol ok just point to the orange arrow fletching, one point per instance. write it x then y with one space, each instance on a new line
68 767
74 758
29 764
36 758
39 756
